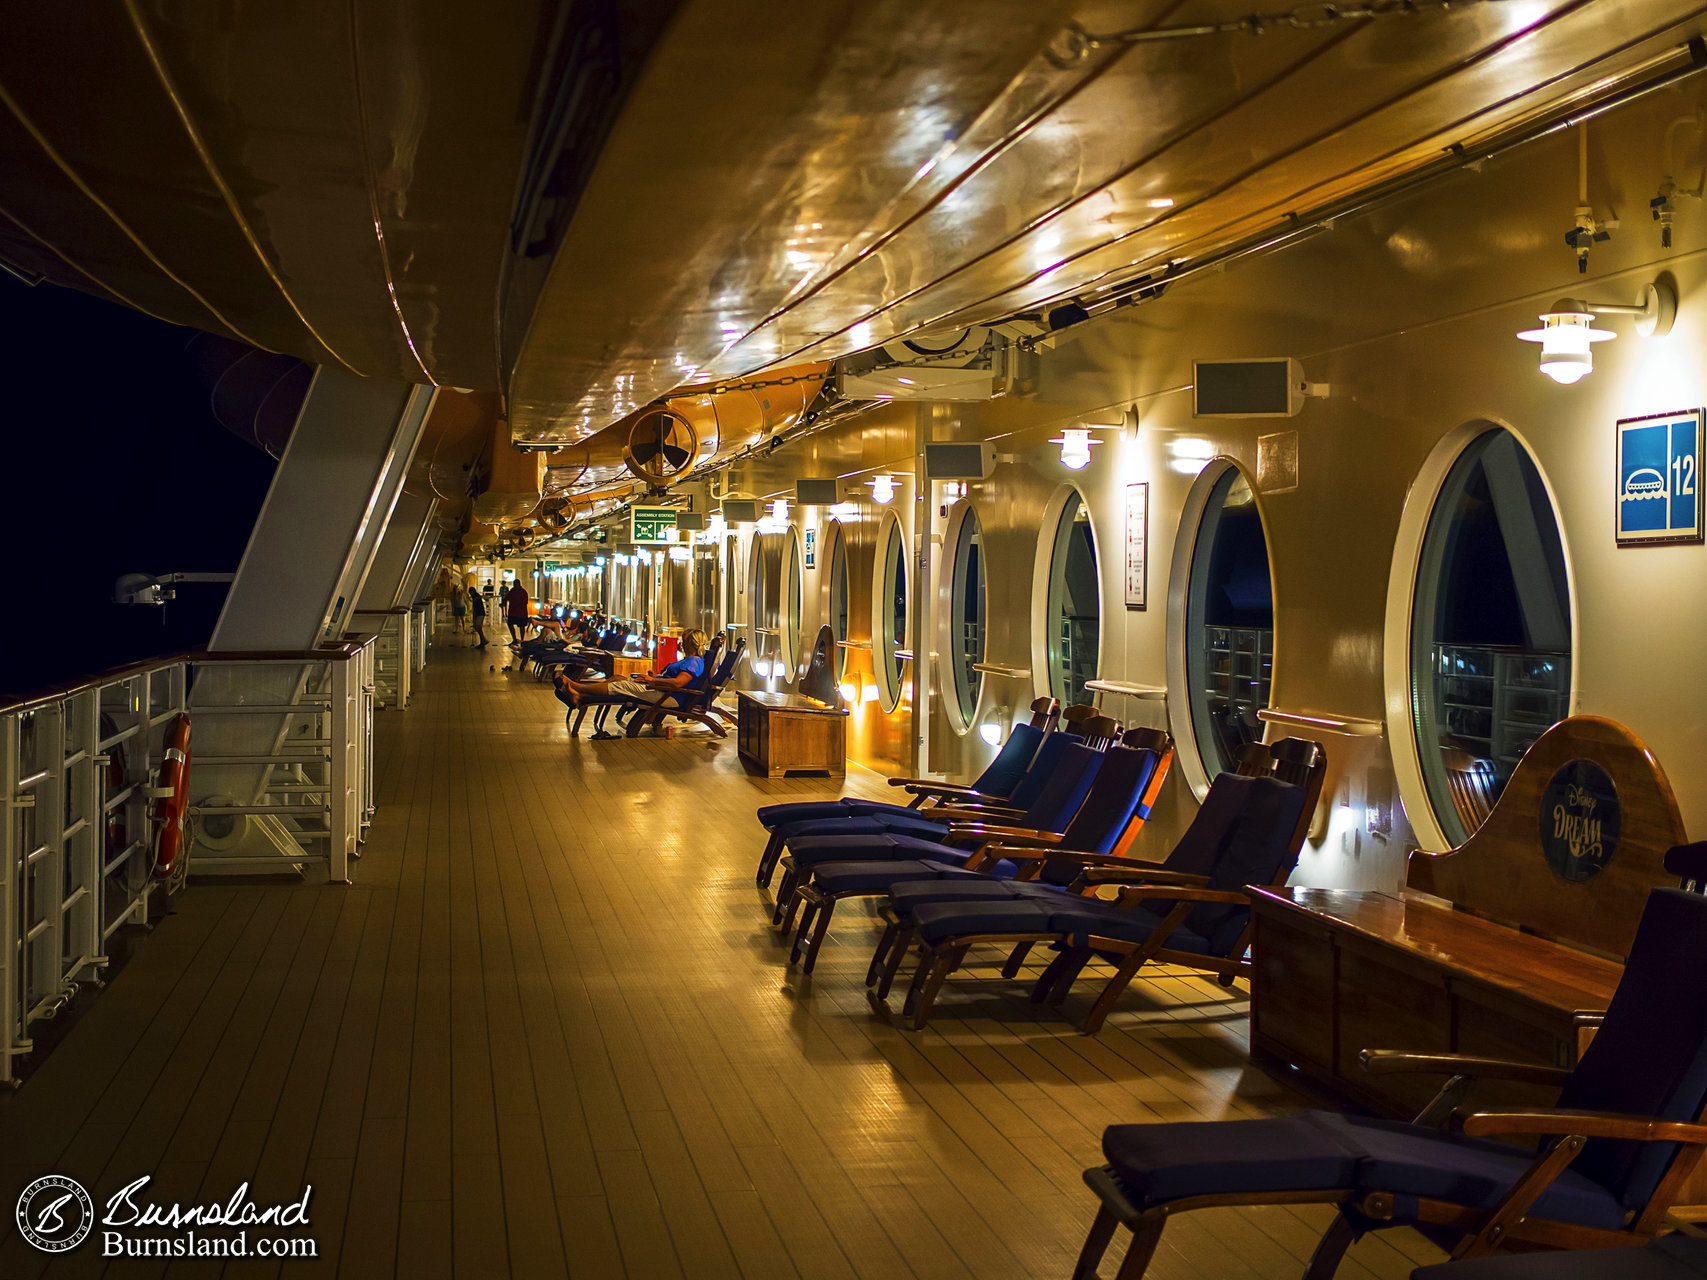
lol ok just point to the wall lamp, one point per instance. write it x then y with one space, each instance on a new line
882 487
1567 333
1075 445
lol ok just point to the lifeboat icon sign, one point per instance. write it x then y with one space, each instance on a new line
1643 483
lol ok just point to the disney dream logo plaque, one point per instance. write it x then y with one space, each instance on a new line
1579 820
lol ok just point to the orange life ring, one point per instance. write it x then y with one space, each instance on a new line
169 809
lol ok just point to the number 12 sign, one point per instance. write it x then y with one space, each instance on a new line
1659 472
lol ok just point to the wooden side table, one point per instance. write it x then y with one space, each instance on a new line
784 732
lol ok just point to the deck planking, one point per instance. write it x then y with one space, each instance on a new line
548 1034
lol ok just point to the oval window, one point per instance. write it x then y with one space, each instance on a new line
1074 610
1229 623
838 607
889 609
791 589
965 648
1490 629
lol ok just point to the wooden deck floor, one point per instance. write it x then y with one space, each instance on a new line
547 1034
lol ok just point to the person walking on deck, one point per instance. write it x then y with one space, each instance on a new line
478 603
516 612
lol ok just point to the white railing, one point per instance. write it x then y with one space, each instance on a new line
283 758
75 767
394 663
281 775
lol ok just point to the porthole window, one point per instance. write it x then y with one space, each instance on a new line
965 615
1074 610
764 603
1490 629
791 589
889 611
1229 623
731 584
838 606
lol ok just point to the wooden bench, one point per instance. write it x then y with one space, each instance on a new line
1500 947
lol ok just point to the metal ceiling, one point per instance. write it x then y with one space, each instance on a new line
1066 182
588 204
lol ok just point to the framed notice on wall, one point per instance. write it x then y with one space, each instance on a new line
1658 497
1137 543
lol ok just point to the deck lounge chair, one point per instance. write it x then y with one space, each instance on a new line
1204 926
863 839
928 820
697 704
997 782
1612 1156
1113 811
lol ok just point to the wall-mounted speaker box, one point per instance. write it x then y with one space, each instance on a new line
974 461
1271 388
690 521
740 510
815 493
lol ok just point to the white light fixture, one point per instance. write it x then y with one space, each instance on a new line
1567 331
849 692
779 509
990 732
953 490
882 487
1075 445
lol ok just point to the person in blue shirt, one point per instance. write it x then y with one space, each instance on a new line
654 689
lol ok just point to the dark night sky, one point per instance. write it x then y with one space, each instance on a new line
114 464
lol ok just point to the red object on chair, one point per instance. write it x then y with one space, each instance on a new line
665 653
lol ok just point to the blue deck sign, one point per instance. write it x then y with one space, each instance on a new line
1659 479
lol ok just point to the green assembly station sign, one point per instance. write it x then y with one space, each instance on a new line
651 524
551 565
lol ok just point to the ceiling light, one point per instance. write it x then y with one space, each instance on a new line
1567 331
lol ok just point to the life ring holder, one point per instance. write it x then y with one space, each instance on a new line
171 798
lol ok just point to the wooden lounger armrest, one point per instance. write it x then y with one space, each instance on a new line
925 787
1132 895
1137 876
984 832
1381 1062
957 814
1586 1124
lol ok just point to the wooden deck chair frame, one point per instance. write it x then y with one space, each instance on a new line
1295 760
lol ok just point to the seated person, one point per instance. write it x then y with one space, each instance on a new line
653 689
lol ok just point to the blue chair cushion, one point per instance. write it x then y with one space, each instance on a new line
773 816
877 876
1409 1162
1322 1150
1162 1162
1673 1257
873 824
1083 918
809 851
971 888
937 922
